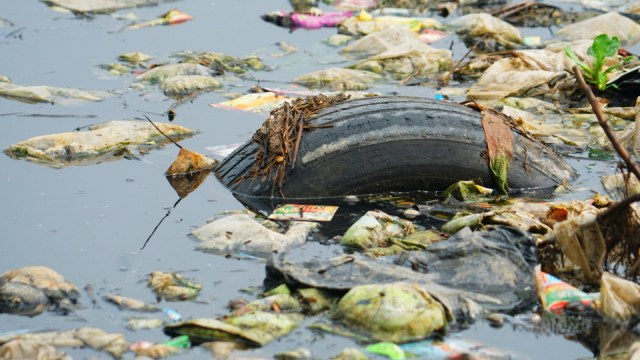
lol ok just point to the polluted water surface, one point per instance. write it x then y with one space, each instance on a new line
109 250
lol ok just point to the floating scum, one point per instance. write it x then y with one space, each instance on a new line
102 142
99 6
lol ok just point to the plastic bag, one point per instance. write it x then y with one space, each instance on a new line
364 23
338 79
619 298
497 263
495 33
374 229
516 75
612 24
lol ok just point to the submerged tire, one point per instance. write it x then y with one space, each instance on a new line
391 144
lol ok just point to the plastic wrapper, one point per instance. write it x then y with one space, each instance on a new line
171 17
555 294
259 102
309 21
452 349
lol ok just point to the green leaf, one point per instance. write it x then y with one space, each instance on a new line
603 46
614 67
602 81
627 59
572 55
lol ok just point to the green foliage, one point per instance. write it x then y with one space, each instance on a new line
603 46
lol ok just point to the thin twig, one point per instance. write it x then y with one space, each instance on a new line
620 205
297 146
595 105
455 67
165 135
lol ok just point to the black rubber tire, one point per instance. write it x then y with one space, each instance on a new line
391 144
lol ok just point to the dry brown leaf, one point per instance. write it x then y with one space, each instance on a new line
189 161
499 139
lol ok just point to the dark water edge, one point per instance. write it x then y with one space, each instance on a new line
88 223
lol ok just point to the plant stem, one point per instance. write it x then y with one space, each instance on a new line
595 105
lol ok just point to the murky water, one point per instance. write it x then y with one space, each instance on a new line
88 223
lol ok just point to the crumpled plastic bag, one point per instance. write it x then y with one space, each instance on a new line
548 126
496 34
323 267
172 286
178 87
410 57
46 94
255 328
379 41
515 76
32 289
630 136
396 312
498 263
508 217
364 24
338 79
113 343
262 102
611 23
618 187
220 61
160 73
26 349
619 298
374 229
241 234
467 190
581 240
101 142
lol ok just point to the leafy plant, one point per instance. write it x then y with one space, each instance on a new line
603 46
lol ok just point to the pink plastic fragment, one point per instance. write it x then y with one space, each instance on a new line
429 36
310 21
